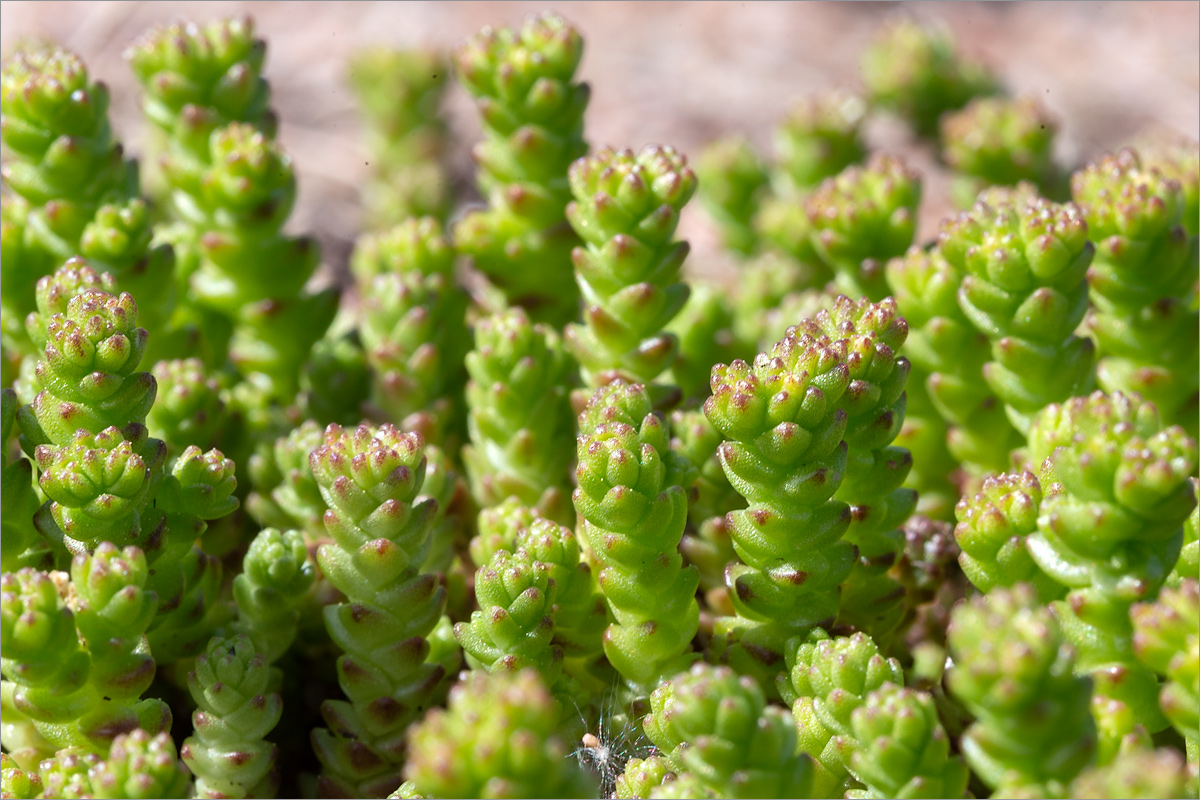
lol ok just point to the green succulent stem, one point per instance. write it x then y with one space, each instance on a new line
520 421
1166 638
1023 264
21 543
1000 141
717 726
860 218
1014 671
919 74
189 406
1188 565
818 137
246 278
450 532
89 371
198 78
948 355
336 379
644 777
140 766
498 528
826 679
786 422
1179 161
515 622
580 611
626 210
539 608
1141 284
1138 772
77 674
531 108
235 711
496 738
413 327
994 526
277 573
898 747
875 403
399 94
105 478
633 509
68 773
1111 531
71 186
940 346
370 480
18 783
733 180
284 493
199 488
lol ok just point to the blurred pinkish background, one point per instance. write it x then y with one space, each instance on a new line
670 73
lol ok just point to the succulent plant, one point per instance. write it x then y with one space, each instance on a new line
918 73
532 111
399 92
826 680
1024 266
412 327
732 178
1111 530
1013 670
519 421
717 726
862 217
235 710
370 480
1165 639
66 175
1143 315
757 587
626 210
496 738
633 510
900 749
999 141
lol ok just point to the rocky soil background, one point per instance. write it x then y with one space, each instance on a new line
668 73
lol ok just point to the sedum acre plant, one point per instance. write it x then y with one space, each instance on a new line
633 510
1120 474
626 210
399 92
70 190
999 141
1142 283
1012 668
520 422
532 110
717 727
515 506
369 480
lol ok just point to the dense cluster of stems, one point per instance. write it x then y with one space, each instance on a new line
524 510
